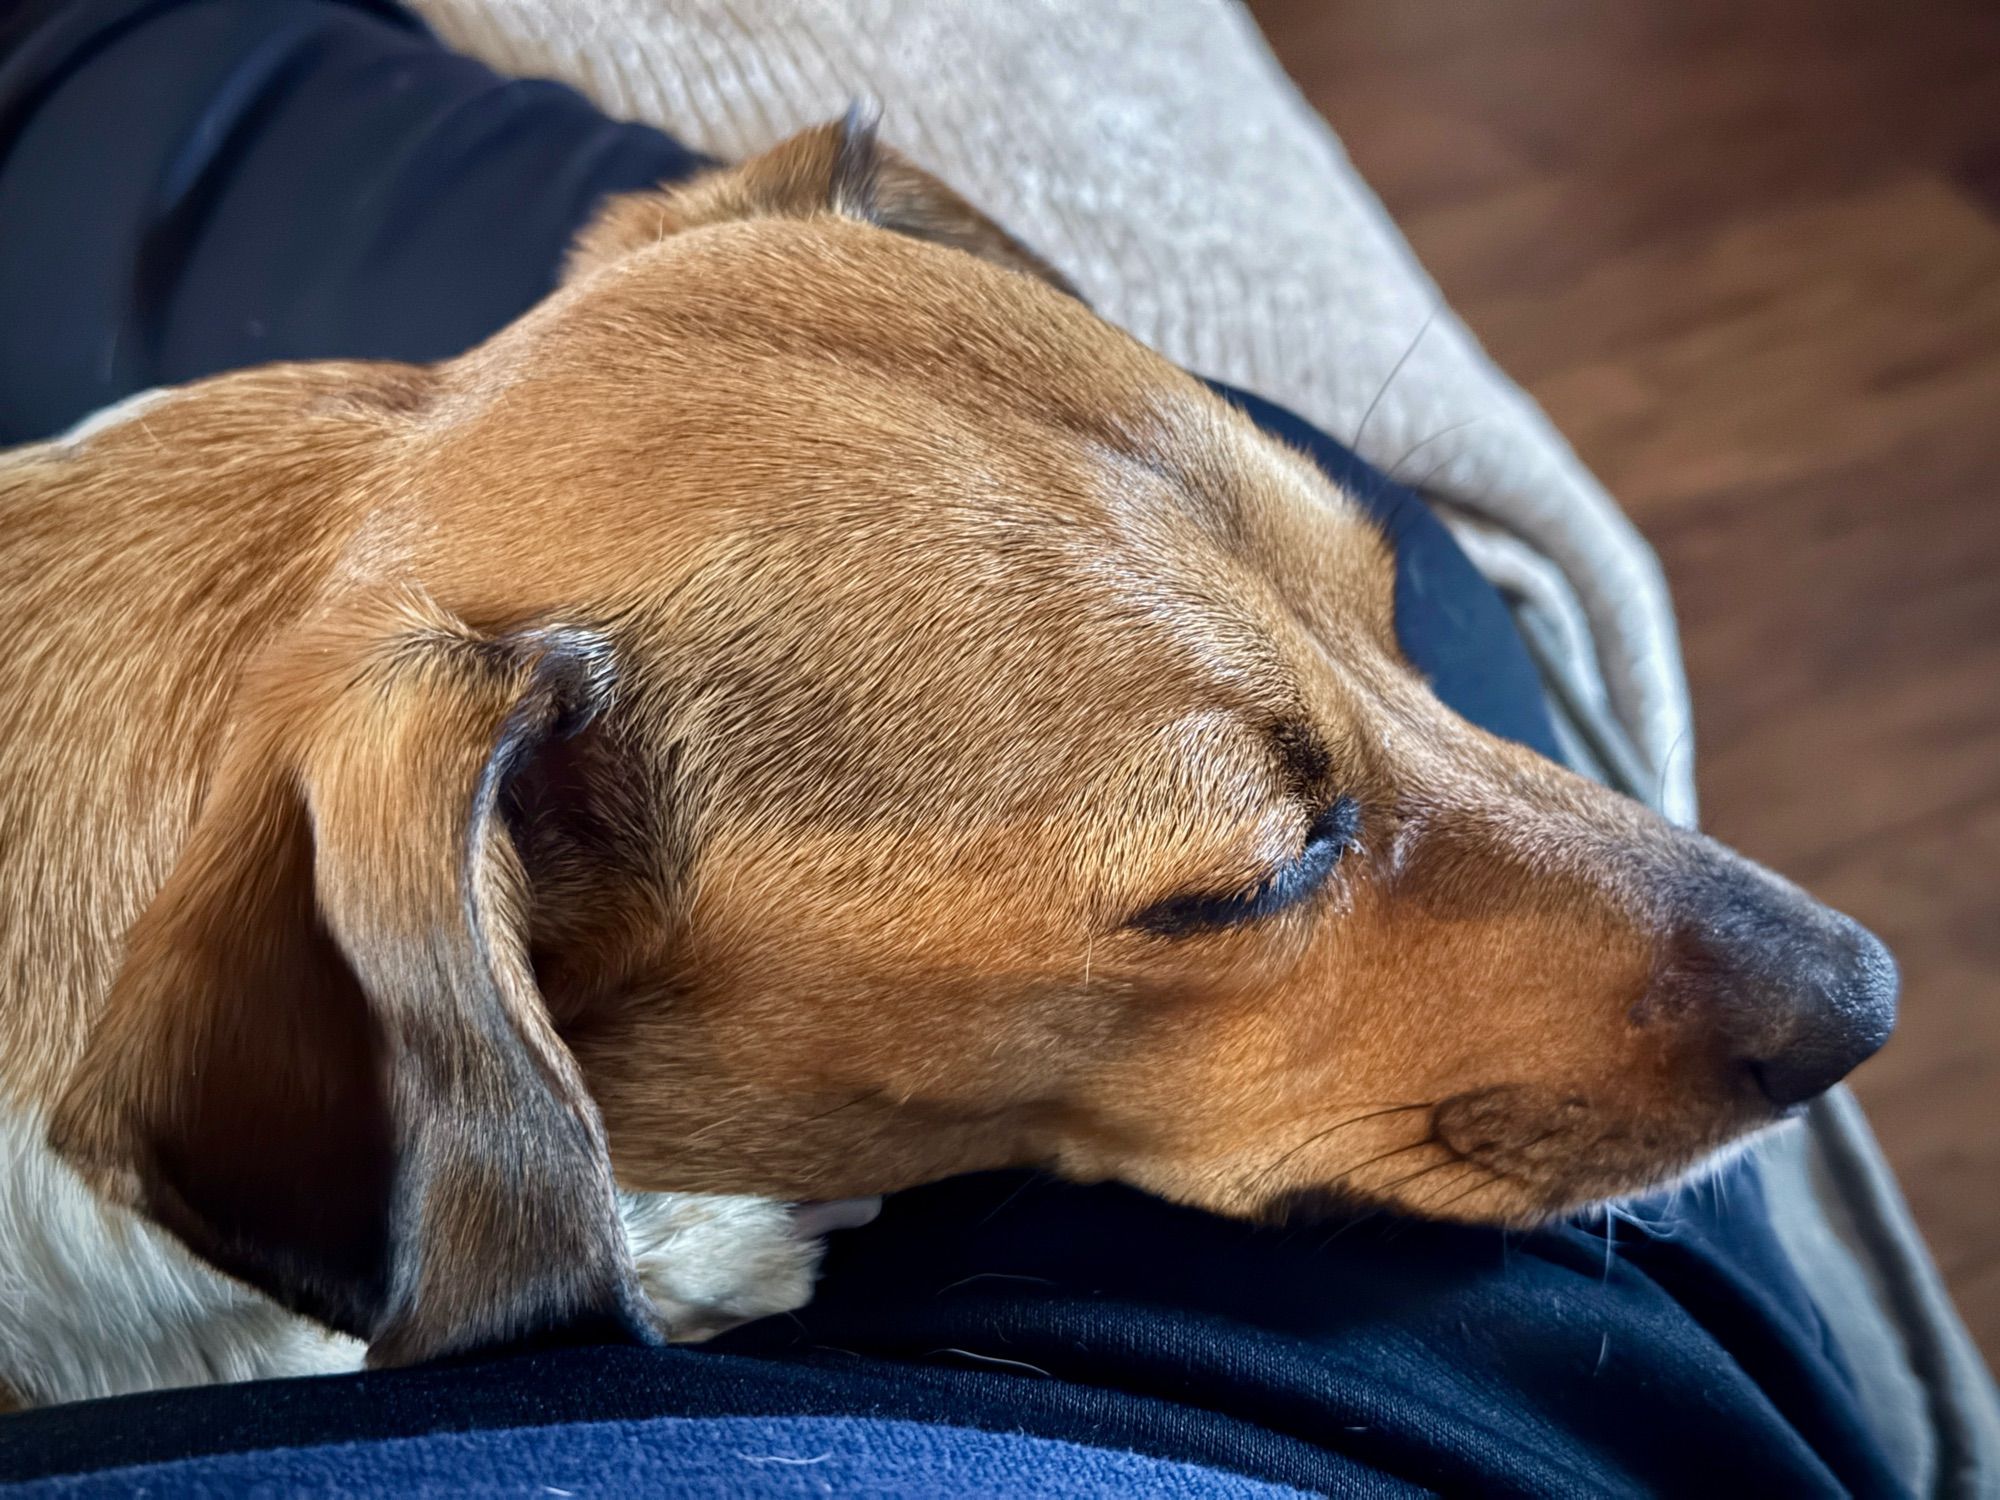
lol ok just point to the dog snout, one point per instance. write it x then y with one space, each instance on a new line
1800 995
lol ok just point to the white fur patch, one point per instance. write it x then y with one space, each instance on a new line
710 1263
96 1302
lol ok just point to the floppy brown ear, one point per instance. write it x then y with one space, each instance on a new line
325 1065
839 168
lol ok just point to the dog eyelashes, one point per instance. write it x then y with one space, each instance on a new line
1330 836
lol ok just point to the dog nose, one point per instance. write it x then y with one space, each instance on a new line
1803 995
1843 1007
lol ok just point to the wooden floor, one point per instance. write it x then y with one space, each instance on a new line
1748 257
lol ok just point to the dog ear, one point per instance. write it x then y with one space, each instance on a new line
325 1065
840 168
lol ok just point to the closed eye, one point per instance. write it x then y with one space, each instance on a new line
1331 835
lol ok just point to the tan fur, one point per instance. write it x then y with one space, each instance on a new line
921 630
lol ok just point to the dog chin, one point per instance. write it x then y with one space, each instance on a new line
1706 1167
1527 1205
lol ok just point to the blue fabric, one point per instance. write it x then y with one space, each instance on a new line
189 185
679 1458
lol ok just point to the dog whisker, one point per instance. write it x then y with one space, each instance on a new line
1318 1136
1000 1207
1661 1227
1428 1140
1419 484
1422 1172
1361 427
1422 443
1667 766
1485 1177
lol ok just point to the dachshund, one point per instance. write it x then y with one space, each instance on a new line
809 709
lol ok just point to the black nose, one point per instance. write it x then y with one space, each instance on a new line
1803 995
1843 1007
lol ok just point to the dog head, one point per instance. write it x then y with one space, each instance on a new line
810 710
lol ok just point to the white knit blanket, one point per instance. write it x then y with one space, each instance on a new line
1154 150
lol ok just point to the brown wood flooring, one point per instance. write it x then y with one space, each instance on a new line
1748 257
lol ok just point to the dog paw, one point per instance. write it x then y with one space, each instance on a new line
710 1263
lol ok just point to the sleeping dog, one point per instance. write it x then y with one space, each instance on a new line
805 711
